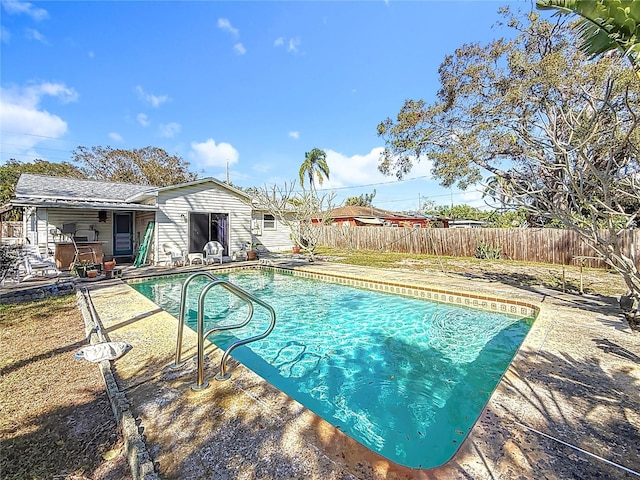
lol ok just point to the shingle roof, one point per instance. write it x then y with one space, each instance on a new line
365 212
41 186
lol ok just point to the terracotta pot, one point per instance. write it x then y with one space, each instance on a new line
92 273
109 265
252 255
296 249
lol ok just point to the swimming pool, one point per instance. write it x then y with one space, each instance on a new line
405 377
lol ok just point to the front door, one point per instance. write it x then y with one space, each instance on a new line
122 234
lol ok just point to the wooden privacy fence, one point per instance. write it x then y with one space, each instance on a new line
545 245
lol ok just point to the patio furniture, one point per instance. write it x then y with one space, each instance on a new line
32 263
174 256
192 257
213 251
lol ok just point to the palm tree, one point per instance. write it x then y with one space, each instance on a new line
605 25
314 167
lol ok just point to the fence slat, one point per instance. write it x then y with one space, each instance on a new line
544 245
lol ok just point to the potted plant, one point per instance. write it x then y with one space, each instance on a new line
253 249
81 267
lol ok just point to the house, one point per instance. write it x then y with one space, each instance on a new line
462 223
113 217
355 216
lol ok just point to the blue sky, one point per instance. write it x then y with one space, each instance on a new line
251 84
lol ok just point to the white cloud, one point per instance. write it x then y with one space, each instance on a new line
170 130
295 135
239 49
5 35
153 100
472 198
363 169
294 43
208 154
116 137
143 119
14 7
225 25
33 34
30 124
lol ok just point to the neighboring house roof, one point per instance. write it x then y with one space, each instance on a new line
369 214
46 191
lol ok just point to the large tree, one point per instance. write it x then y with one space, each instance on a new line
605 25
314 168
145 166
362 200
559 130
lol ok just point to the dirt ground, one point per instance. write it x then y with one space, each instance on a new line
55 420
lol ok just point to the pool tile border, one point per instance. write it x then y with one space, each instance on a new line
480 302
462 299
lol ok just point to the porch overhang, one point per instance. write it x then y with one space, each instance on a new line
80 204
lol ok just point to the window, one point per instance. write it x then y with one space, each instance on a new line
269 221
417 225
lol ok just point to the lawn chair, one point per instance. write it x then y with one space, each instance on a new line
173 255
213 251
83 253
32 263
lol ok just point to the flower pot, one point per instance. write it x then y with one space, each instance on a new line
252 255
92 273
296 249
108 266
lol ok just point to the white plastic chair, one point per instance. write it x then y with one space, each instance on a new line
173 255
213 251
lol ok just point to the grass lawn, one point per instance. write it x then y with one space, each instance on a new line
526 274
55 420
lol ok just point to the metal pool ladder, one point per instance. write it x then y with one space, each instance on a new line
249 299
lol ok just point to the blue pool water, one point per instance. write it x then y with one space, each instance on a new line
405 377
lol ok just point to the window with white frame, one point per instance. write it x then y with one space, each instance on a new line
269 221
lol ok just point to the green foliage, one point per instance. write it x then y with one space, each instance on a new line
488 252
145 166
605 25
363 200
314 167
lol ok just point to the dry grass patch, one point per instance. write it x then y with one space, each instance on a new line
524 274
56 420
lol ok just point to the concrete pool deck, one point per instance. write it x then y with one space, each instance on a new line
567 407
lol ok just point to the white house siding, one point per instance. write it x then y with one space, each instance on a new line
200 198
86 221
277 239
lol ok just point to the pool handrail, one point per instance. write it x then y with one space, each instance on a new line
177 363
238 292
244 295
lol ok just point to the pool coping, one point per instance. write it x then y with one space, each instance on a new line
535 338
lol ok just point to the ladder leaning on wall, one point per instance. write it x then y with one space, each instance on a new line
143 253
